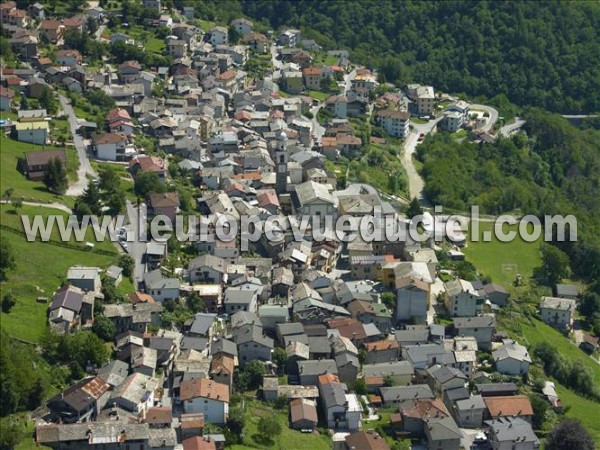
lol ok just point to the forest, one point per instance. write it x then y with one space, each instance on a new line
554 169
537 53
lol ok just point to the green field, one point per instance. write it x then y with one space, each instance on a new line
289 439
502 261
319 96
10 152
40 269
155 45
581 408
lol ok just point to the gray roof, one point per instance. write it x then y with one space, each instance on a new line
442 429
288 329
223 345
494 388
242 318
69 297
253 333
474 322
473 402
569 290
114 373
195 343
92 432
319 344
347 358
460 393
511 350
201 323
508 429
314 367
236 296
444 374
155 280
391 368
402 393
561 304
414 335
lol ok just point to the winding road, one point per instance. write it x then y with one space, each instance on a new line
85 169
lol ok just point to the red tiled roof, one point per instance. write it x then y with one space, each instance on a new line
159 414
204 388
516 405
381 345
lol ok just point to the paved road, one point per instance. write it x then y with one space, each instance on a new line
493 112
318 129
85 168
511 128
54 205
135 247
99 31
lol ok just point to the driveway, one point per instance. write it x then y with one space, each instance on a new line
85 168
493 115
318 129
512 128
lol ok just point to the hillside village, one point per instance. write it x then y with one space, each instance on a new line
365 345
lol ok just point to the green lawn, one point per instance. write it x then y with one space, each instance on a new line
324 59
502 261
155 45
10 152
289 439
581 408
40 270
318 95
415 119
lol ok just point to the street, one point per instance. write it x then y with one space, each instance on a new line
135 247
85 168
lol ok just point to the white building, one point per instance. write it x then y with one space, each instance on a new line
558 312
395 123
512 359
207 397
425 98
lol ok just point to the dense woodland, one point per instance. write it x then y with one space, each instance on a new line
537 53
555 170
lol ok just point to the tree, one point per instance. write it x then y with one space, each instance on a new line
48 101
7 257
251 376
555 263
388 298
8 301
91 197
414 208
17 204
235 425
280 359
115 203
269 427
109 179
8 193
55 177
127 263
147 182
233 36
91 25
569 434
196 303
24 102
11 434
109 291
360 387
104 328
540 407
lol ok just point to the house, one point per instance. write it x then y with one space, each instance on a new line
442 433
191 425
114 372
309 371
461 298
199 443
112 146
272 315
152 4
469 412
511 359
371 312
509 406
425 98
133 317
240 299
341 411
412 300
482 328
52 30
218 36
443 378
222 368
303 414
36 163
145 164
159 287
207 269
253 344
70 308
395 123
205 396
80 402
163 204
495 293
6 97
85 278
366 440
242 25
159 417
312 77
136 394
400 372
105 435
395 395
292 81
451 121
31 132
511 433
201 325
382 351
496 389
256 41
348 367
315 199
566 291
558 312
68 58
177 48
